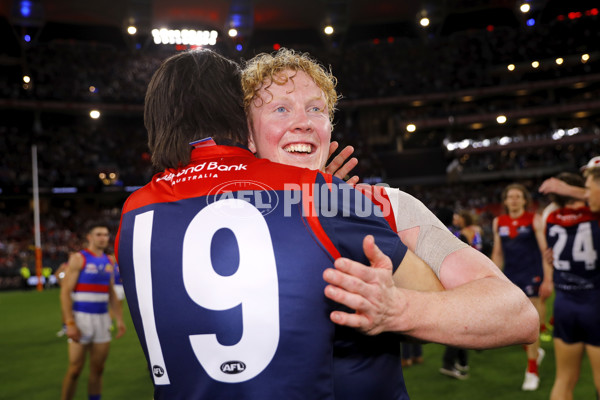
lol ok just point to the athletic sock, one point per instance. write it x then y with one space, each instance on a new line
532 366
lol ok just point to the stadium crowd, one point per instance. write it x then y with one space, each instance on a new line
73 150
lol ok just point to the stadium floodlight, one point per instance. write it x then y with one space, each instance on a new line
233 32
424 22
463 144
525 8
503 141
185 36
501 119
328 30
26 8
511 67
132 30
585 58
559 61
535 64
94 114
411 127
26 79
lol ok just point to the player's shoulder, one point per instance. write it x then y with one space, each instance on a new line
502 218
76 260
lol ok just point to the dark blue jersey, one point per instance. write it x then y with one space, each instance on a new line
521 252
574 235
222 265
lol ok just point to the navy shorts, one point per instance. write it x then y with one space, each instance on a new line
577 316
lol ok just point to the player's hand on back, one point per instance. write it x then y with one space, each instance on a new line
337 167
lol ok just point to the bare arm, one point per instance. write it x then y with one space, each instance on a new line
413 273
471 280
553 185
480 308
547 286
539 227
497 254
74 266
115 305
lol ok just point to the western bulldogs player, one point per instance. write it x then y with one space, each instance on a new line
86 293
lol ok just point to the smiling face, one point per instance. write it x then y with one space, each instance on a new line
290 122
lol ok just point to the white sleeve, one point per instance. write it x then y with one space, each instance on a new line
435 241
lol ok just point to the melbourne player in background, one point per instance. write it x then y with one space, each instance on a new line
86 292
519 243
573 233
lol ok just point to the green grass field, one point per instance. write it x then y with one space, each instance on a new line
34 360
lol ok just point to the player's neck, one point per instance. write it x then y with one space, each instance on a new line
96 250
575 205
516 213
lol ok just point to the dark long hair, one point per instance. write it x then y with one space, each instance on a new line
571 179
193 95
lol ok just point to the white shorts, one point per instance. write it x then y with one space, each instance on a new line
94 328
120 292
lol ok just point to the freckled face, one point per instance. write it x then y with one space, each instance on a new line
290 122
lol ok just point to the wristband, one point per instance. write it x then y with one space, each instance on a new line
70 323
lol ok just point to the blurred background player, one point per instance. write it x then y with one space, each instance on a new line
555 185
573 233
86 291
412 354
519 243
464 220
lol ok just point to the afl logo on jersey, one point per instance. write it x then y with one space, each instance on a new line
256 193
233 367
158 371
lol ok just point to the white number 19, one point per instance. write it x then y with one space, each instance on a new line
254 286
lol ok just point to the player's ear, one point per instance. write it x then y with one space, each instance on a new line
251 145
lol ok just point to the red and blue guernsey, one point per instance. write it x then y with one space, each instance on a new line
574 235
222 264
522 257
93 285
